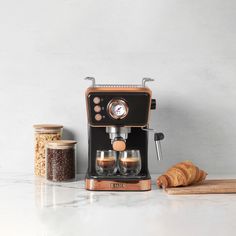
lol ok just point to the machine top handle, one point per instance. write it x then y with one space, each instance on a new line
91 79
144 81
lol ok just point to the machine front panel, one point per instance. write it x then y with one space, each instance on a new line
138 108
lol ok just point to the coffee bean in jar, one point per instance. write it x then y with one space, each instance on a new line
61 160
43 133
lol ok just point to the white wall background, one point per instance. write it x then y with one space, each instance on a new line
47 47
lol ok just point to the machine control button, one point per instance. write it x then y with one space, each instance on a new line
153 104
97 108
98 117
96 100
119 145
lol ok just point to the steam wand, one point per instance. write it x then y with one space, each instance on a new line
157 138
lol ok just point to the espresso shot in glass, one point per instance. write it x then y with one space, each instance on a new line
106 162
130 162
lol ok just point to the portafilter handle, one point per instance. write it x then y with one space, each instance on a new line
157 138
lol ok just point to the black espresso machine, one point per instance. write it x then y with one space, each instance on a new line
118 126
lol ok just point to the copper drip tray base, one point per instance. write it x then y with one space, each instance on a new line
118 183
120 177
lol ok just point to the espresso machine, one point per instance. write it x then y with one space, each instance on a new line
118 127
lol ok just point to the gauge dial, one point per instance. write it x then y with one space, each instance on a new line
117 109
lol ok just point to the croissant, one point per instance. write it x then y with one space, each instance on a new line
182 174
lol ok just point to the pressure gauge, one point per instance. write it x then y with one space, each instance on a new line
117 108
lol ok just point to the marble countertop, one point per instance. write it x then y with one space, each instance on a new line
34 206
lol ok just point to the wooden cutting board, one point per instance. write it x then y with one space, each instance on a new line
207 187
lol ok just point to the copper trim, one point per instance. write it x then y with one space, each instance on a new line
119 145
128 126
108 185
118 89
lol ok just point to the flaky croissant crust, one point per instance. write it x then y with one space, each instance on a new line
182 174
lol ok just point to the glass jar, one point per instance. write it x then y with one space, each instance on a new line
61 160
43 133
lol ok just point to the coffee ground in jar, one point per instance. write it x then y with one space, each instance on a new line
60 164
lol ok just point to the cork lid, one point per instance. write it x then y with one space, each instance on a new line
60 144
47 126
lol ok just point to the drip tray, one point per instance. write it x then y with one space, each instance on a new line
120 177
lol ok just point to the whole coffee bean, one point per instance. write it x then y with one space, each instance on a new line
60 164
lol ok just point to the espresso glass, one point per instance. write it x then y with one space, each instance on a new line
106 162
130 162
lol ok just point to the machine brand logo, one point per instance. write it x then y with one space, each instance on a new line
117 185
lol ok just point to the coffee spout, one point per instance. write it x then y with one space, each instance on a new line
118 136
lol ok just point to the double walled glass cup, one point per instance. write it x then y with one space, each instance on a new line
130 162
106 162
